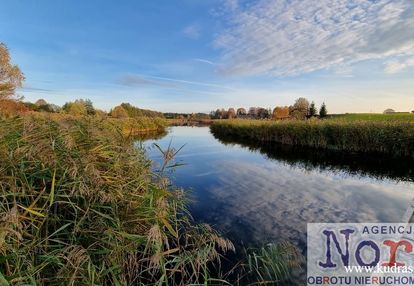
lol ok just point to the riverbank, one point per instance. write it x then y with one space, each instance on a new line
395 138
80 205
190 122
139 125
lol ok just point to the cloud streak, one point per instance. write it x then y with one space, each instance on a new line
139 80
396 66
204 61
147 80
285 38
35 89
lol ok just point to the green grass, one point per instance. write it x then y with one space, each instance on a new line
79 205
272 264
392 137
398 117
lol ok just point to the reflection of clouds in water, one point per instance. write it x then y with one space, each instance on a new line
205 174
276 202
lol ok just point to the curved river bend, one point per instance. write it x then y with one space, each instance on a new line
256 195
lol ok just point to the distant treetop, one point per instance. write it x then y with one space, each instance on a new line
41 102
388 111
134 111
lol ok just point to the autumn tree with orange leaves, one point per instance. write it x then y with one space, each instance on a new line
11 76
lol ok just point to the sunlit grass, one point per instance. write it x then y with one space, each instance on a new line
388 137
401 117
79 205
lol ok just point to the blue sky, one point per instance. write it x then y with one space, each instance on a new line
198 55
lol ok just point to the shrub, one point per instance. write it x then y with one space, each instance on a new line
75 108
133 111
9 107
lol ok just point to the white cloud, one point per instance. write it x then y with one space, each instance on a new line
205 61
192 31
395 66
282 38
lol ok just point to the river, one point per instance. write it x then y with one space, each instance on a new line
256 195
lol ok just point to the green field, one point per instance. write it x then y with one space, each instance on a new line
404 117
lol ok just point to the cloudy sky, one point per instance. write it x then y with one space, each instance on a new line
197 55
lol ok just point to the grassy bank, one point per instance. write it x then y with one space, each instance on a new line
79 205
388 137
133 126
127 126
394 117
186 122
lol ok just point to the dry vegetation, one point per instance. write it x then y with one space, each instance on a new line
392 137
80 206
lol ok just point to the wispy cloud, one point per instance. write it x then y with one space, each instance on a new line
192 31
139 80
147 80
205 61
284 38
36 89
395 66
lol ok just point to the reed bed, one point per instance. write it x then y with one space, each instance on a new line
139 125
272 264
79 205
394 138
128 126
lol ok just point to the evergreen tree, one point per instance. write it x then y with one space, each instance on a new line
312 109
323 112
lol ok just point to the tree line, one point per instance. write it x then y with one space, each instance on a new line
301 109
78 107
11 78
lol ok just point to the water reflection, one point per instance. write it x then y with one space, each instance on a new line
150 135
380 167
255 198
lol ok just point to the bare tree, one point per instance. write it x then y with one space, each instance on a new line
253 112
231 113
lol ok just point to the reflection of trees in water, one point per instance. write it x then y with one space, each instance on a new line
377 166
150 135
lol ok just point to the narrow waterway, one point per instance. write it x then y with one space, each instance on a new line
256 195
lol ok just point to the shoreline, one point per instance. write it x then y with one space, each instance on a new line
390 138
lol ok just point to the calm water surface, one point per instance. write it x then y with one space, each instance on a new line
259 195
